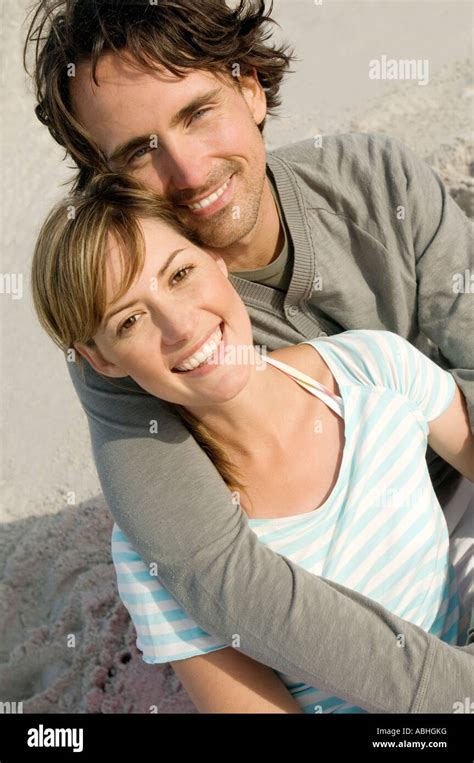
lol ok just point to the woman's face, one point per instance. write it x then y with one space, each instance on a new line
181 298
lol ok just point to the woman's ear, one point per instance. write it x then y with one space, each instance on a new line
222 265
218 258
98 362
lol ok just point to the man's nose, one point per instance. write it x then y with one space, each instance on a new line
187 169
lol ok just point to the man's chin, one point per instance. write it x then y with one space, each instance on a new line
216 234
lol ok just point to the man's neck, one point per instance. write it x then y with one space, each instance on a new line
264 243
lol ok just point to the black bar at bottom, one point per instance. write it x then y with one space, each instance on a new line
81 737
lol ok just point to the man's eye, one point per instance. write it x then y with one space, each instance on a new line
138 154
199 111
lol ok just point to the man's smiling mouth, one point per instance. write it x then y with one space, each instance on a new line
211 198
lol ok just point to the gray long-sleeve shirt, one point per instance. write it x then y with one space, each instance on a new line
378 243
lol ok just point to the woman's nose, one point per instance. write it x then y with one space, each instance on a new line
177 328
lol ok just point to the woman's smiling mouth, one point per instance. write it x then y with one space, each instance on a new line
203 355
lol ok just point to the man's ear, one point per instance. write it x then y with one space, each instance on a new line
98 362
254 94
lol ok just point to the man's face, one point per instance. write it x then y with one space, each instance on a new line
192 138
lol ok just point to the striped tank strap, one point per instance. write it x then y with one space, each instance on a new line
332 400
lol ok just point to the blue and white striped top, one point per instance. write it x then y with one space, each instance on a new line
381 531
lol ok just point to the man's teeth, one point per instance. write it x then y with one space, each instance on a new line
204 353
210 199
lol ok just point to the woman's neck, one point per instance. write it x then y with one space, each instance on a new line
256 421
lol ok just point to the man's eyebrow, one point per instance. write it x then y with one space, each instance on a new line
194 105
124 149
161 272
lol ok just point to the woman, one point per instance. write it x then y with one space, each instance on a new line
335 479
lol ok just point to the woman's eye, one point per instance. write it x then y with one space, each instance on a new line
184 270
124 326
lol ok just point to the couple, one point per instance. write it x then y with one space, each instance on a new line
312 240
330 471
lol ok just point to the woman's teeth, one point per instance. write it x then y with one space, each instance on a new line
210 199
205 352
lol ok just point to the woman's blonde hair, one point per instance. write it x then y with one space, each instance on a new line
68 273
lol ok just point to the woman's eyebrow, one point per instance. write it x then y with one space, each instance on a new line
161 272
125 148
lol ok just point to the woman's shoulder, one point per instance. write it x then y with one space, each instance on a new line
306 358
386 360
359 356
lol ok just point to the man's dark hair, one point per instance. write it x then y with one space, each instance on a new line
176 34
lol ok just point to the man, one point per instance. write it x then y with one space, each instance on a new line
353 233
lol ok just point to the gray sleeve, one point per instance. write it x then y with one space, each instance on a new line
172 504
443 245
